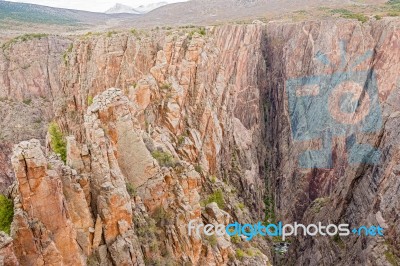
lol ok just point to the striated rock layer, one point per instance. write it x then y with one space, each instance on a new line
330 164
296 120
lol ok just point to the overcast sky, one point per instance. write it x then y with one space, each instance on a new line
92 5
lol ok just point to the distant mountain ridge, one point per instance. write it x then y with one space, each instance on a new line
120 8
125 9
38 14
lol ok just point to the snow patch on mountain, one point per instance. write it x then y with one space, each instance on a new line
143 9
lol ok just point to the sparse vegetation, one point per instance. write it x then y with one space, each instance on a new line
240 254
23 38
336 238
89 100
393 14
67 52
202 31
217 197
198 168
6 213
269 210
92 260
212 240
161 216
111 33
58 143
166 87
131 190
135 32
181 140
236 239
27 101
241 206
318 204
391 258
344 13
163 158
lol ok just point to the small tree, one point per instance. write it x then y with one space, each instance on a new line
6 213
58 143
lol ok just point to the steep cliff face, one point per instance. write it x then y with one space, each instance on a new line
29 80
283 117
333 112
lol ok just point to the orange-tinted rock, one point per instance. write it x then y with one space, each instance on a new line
43 214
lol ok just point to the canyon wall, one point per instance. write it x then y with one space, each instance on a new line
286 121
331 164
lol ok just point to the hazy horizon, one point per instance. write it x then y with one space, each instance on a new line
92 5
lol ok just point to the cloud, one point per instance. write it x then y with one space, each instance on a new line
92 5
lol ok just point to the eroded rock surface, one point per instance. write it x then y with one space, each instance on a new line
156 125
7 256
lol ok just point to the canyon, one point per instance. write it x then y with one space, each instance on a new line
213 125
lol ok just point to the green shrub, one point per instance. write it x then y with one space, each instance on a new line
240 254
236 239
66 53
378 17
198 168
163 158
131 189
6 213
135 32
212 240
213 179
344 13
27 101
217 197
269 210
57 142
360 17
202 31
89 100
166 87
111 33
250 252
181 140
241 206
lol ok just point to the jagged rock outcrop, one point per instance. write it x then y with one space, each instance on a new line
42 230
227 112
